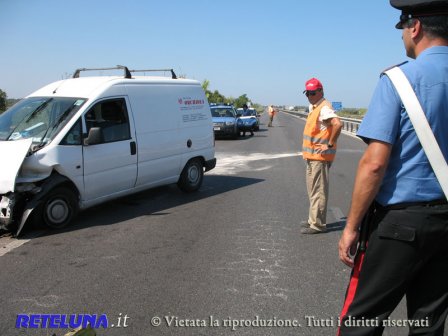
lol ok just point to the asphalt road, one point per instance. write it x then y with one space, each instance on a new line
227 260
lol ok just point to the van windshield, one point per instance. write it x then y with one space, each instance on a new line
39 118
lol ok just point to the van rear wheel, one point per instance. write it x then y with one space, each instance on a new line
191 177
58 208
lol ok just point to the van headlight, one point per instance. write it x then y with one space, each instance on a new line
230 123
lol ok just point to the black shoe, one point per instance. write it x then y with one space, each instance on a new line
310 231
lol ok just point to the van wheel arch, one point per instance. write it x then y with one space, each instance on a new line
57 206
190 179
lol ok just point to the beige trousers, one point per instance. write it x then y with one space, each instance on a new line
317 185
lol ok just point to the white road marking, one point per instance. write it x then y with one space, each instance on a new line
234 164
7 244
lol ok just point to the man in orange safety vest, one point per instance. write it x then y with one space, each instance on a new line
321 132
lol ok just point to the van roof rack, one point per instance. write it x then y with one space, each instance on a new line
173 75
127 72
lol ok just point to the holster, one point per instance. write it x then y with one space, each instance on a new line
366 227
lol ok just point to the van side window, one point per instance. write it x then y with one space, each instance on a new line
73 137
112 117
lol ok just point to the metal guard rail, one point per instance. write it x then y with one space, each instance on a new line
350 125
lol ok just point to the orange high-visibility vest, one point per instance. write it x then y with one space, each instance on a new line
316 133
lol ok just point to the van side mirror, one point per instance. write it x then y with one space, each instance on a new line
95 136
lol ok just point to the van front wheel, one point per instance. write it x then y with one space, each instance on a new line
191 177
59 207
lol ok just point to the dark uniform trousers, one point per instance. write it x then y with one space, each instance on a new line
406 255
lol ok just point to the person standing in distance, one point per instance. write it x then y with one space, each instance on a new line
403 243
321 133
271 112
246 114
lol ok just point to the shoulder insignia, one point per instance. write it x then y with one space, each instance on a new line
393 66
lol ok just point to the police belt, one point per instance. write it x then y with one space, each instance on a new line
405 205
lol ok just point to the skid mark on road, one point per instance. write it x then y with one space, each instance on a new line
234 164
337 213
257 265
46 301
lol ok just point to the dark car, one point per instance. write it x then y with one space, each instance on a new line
225 121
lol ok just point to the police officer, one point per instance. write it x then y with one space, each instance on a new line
406 250
245 114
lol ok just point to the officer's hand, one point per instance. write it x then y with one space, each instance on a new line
347 246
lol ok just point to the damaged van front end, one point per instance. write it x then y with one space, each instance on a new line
13 197
29 167
24 184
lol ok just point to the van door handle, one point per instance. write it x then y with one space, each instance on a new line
133 148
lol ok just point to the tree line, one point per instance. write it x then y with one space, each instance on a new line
3 98
217 97
6 102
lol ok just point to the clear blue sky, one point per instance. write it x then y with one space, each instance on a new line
266 49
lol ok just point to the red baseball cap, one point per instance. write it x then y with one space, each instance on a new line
313 84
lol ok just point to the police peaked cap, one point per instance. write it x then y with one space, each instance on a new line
416 8
428 7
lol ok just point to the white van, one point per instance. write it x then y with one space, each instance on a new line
82 141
